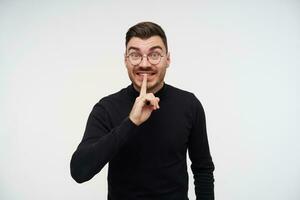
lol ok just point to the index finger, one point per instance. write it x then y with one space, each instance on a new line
144 86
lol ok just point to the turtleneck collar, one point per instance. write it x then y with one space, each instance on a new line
133 93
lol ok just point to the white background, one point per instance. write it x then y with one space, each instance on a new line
240 58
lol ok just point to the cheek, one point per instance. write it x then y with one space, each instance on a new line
162 70
129 69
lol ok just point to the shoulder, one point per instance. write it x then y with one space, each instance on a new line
111 99
117 96
185 99
187 96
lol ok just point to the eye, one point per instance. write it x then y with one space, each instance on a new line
135 55
154 55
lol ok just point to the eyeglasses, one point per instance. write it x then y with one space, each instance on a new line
136 58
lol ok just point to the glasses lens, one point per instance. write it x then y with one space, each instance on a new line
135 58
154 58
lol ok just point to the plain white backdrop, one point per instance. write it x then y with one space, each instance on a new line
240 58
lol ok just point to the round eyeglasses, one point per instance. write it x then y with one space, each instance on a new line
136 58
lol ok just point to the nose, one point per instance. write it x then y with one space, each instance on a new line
145 62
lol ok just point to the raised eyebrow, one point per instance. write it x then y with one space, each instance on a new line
133 48
156 47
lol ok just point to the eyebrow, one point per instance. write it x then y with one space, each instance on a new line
156 47
152 48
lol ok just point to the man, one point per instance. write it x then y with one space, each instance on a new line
144 131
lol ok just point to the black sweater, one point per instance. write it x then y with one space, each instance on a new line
147 161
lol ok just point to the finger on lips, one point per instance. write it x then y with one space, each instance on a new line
143 90
150 99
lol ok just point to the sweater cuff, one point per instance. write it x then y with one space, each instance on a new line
126 130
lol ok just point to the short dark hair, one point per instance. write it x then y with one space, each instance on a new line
145 30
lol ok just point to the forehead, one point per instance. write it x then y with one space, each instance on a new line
145 44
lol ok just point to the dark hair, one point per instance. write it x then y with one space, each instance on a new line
145 30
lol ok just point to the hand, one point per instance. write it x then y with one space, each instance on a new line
144 104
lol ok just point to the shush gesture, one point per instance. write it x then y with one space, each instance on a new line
144 104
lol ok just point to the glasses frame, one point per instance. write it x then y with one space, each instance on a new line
143 56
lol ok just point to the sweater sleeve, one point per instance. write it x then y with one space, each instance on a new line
202 164
99 144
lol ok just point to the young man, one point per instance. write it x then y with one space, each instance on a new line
144 130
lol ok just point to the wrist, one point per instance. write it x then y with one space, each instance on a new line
134 121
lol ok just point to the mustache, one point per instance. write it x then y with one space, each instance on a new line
145 69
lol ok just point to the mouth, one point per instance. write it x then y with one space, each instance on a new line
140 74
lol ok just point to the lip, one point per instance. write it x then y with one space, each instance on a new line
145 72
139 74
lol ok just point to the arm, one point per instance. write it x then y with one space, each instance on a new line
99 145
202 164
101 142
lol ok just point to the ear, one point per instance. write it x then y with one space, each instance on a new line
125 59
168 59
